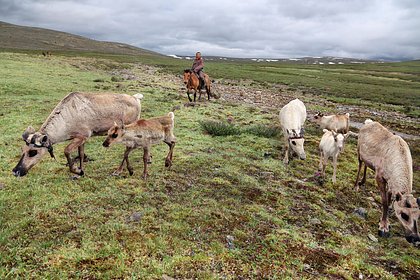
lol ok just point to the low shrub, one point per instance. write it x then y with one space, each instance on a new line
263 131
217 128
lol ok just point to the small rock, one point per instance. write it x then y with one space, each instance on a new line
372 237
134 218
360 276
266 175
315 221
189 104
361 212
267 154
306 266
229 242
166 277
176 107
371 198
74 177
2 186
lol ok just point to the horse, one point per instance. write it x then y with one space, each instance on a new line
192 82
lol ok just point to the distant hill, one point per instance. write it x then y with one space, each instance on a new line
33 38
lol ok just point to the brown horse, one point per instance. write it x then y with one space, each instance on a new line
193 83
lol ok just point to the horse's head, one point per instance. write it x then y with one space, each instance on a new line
187 75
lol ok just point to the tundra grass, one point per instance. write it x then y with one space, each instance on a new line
228 208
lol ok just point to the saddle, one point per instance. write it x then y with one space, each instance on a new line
202 85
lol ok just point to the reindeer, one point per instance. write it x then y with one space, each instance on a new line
338 123
389 156
143 134
77 117
331 145
292 117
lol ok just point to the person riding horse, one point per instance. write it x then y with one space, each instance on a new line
197 68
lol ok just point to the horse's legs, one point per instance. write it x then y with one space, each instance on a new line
188 93
195 94
208 91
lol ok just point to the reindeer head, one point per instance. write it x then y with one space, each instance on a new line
296 140
317 117
407 211
36 145
339 139
115 134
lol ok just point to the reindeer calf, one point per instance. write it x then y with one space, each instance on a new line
338 123
143 134
331 145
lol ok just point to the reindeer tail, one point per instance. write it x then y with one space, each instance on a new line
138 96
171 115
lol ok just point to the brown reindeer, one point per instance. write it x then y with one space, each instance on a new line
192 82
389 156
337 123
76 118
143 134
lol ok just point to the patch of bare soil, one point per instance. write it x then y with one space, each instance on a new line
271 98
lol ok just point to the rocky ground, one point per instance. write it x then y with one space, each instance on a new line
271 98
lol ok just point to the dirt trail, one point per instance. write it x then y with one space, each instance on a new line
272 98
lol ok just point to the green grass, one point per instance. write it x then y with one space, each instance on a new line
284 225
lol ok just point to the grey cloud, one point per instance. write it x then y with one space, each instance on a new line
269 28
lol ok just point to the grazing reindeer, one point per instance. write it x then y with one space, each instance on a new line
143 134
389 156
338 123
77 117
292 117
331 145
192 82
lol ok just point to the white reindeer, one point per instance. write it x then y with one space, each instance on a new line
292 117
330 146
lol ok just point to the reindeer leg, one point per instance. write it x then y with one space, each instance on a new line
168 160
129 167
363 182
334 179
286 155
321 161
125 159
145 159
74 144
383 224
81 149
356 184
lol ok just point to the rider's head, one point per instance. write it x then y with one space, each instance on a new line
197 55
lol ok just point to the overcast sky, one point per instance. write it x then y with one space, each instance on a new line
387 29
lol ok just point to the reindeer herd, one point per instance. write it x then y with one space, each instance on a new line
82 115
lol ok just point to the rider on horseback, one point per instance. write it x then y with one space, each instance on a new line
197 68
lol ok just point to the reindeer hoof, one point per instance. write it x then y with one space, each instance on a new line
383 233
131 172
81 173
116 173
168 163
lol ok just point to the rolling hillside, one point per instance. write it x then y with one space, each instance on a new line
32 38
